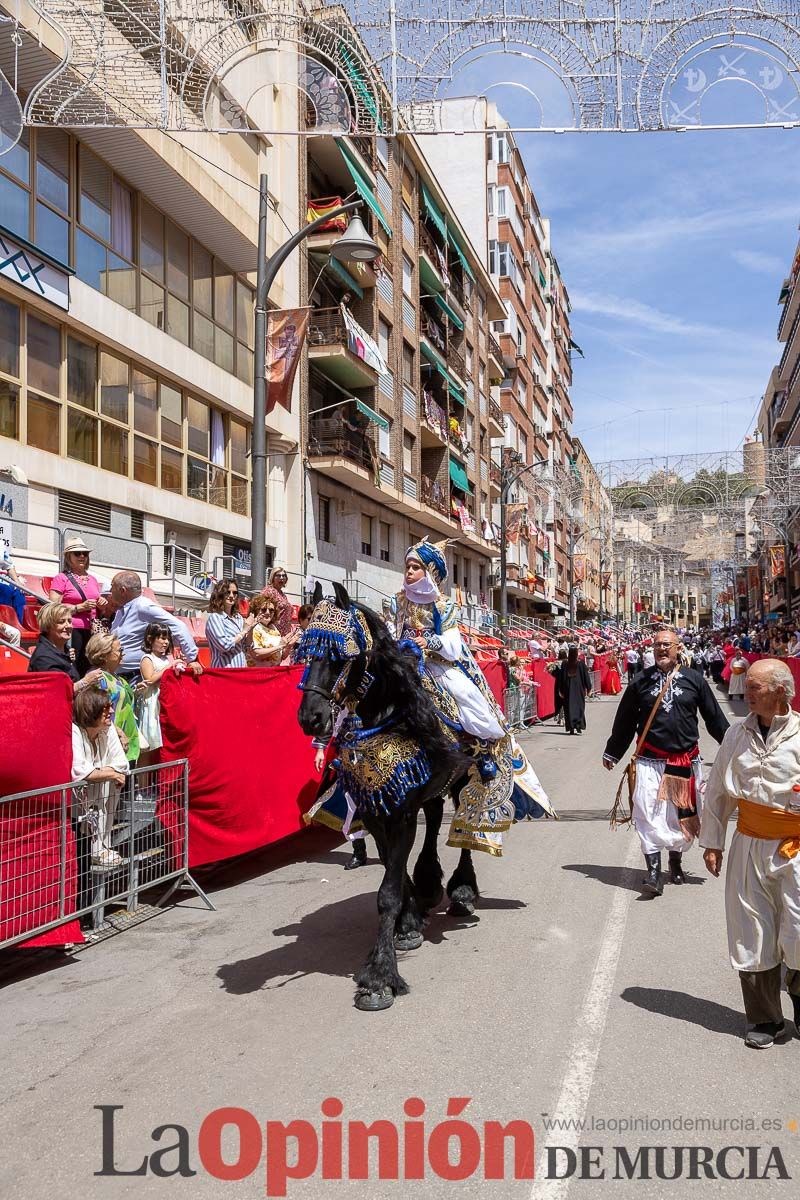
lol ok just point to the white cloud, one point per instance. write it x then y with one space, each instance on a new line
762 264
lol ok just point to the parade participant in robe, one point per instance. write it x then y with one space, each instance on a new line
757 775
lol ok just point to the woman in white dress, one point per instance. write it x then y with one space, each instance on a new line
739 665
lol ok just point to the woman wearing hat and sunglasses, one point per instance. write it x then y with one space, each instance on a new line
82 593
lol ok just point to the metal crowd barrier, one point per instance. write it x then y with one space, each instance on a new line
88 850
519 705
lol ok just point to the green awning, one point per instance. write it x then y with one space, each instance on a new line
363 185
340 272
460 254
371 415
434 212
458 476
436 360
437 216
364 94
574 346
451 313
542 278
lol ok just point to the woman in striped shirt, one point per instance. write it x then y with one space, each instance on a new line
227 631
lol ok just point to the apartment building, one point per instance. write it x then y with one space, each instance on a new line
400 376
593 531
494 197
126 331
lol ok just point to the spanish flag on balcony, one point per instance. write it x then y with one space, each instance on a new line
325 204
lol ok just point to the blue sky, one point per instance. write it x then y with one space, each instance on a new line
673 248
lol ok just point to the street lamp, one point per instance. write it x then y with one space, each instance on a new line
355 245
508 460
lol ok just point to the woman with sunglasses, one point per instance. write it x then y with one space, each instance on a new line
278 578
228 633
82 593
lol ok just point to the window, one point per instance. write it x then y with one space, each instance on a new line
366 535
94 204
81 374
408 365
385 441
468 359
490 199
9 338
382 146
9 409
385 339
44 356
324 509
408 277
408 453
385 535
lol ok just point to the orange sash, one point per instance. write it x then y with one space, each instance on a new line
758 821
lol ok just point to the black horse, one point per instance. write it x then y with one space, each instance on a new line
396 702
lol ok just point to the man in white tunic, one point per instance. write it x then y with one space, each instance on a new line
757 772
669 780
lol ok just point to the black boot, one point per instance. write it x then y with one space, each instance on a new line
676 867
796 1008
359 858
653 882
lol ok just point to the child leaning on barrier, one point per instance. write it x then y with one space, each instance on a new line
158 657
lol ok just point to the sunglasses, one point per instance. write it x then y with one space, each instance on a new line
233 594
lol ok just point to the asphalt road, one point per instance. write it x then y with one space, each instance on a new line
571 999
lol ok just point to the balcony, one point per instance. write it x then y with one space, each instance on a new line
496 418
329 351
434 428
495 478
433 332
332 437
432 261
496 357
434 495
457 363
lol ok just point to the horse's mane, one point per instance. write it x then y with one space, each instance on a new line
399 674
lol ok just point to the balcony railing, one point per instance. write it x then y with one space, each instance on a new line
494 348
789 341
435 252
327 328
434 416
434 494
784 311
333 437
495 412
456 360
433 332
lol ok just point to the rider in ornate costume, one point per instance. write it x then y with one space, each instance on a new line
421 614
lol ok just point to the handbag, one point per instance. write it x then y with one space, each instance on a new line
618 816
95 624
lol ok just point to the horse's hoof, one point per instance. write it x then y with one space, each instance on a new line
412 940
459 909
374 1001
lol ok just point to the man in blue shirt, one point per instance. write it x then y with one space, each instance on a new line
134 613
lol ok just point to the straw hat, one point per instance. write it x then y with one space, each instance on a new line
74 544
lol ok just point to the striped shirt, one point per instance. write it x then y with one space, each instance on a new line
221 630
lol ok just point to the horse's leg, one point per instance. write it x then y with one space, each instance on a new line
428 873
378 981
462 887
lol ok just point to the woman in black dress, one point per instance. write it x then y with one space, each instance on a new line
573 684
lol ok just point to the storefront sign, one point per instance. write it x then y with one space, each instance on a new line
24 265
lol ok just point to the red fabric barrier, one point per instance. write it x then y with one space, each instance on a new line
495 675
37 710
546 691
251 772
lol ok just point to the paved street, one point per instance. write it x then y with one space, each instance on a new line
571 997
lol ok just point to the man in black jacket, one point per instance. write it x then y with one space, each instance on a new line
668 766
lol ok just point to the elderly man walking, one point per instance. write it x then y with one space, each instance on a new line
660 709
757 771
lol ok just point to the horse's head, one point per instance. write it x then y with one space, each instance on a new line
337 635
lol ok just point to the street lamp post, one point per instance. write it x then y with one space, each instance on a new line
355 245
507 481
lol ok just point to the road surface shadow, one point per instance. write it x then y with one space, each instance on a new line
332 940
717 1018
622 877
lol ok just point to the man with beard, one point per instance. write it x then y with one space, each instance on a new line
660 709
